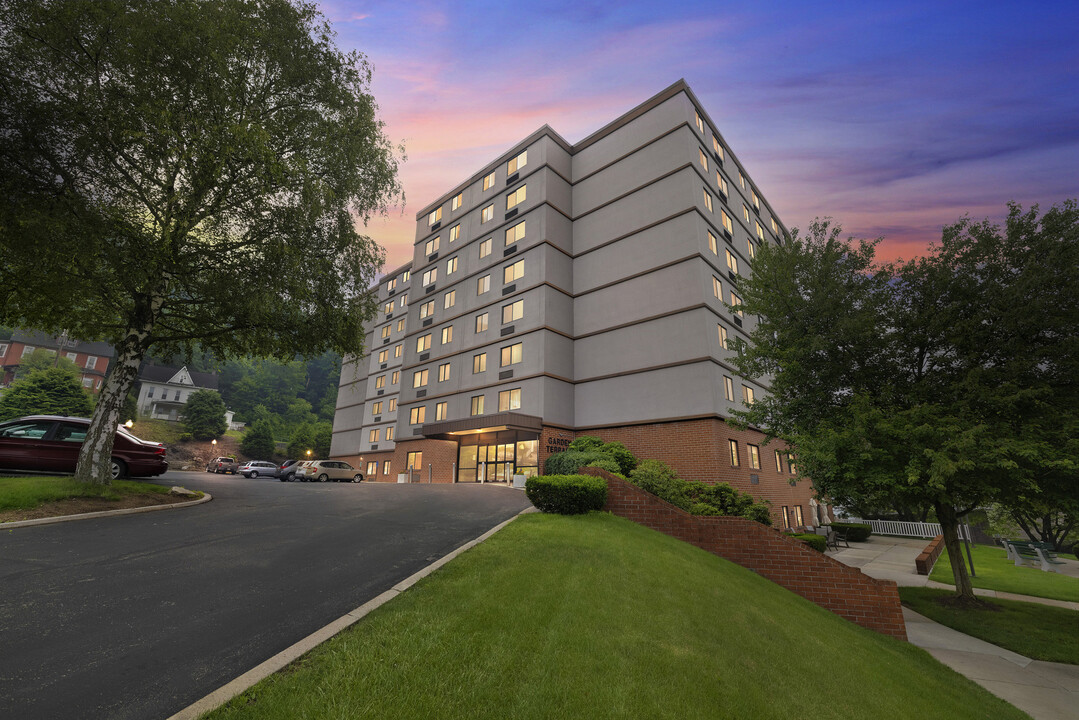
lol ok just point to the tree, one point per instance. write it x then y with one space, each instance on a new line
947 380
300 442
204 415
160 160
52 391
258 441
43 359
323 436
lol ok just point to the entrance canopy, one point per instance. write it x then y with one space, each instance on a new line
456 429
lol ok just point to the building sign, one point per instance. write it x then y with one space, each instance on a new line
557 444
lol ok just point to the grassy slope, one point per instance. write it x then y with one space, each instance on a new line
593 616
25 493
997 572
1040 632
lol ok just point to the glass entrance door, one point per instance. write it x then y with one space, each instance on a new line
496 457
497 461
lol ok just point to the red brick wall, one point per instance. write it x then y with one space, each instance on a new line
845 591
924 563
440 454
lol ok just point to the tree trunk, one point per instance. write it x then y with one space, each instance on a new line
949 526
95 456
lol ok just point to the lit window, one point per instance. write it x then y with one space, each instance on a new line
722 182
434 217
723 344
515 233
708 201
443 372
483 284
392 406
760 232
383 355
736 303
779 461
385 331
451 299
391 285
441 411
419 378
728 388
376 409
394 378
517 163
458 200
741 180
430 276
397 351
797 515
380 381
775 227
712 243
416 416
728 224
511 354
403 300
734 453
479 363
752 251
388 308
747 395
717 147
373 436
477 404
756 200
745 212
754 457
790 464
513 272
432 246
487 214
423 342
401 325
415 460
513 311
427 309
481 323
516 197
786 518
405 276
717 288
447 335
485 248
372 467
386 463
488 181
509 400
732 262
700 123
455 233
703 159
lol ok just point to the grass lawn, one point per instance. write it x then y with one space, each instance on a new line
1041 632
596 617
997 572
161 431
25 493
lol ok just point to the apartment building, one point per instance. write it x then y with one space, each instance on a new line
574 289
91 358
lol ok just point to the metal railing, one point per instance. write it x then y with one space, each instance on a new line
903 528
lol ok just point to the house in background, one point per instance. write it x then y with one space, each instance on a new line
164 391
91 358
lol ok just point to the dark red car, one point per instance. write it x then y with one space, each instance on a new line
50 443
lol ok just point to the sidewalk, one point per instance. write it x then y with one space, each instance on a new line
1044 690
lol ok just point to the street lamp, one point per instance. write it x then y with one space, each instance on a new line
308 454
129 423
213 444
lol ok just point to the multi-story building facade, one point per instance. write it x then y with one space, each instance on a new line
91 358
574 289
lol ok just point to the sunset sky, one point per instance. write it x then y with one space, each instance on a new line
893 118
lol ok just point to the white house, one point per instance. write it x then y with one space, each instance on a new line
164 391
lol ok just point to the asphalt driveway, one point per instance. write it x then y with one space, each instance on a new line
138 616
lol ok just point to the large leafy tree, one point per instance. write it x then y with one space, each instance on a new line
161 162
947 381
204 415
52 391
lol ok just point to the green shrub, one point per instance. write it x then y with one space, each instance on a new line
566 494
570 461
858 532
621 455
696 497
606 463
817 542
586 450
586 443
186 437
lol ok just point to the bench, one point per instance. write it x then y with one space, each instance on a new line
1025 552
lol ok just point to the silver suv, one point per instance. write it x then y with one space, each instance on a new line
325 470
254 468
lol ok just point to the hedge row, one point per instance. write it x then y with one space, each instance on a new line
696 497
817 542
566 494
858 532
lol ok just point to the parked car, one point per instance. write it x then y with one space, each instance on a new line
222 465
254 468
325 470
51 443
287 471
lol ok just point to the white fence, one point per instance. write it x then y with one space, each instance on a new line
903 528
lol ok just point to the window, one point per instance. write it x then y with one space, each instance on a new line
380 381
391 285
435 216
419 378
515 233
87 382
397 351
747 395
790 464
441 411
754 457
373 436
703 159
513 311
481 322
451 299
712 243
416 416
376 409
736 303
386 463
432 246
457 201
393 380
423 342
483 284
728 388
756 200
430 276
760 232
511 354
732 262
708 201
786 517
391 408
485 248
477 405
779 461
403 300
734 453
513 272
509 400
415 460
717 147
405 276
451 266
385 331
723 344
447 335
517 163
797 515
488 181
700 124
487 214
427 309
479 363
516 197
728 225
372 467
388 307
722 183
383 355
775 227
752 251
443 372
741 180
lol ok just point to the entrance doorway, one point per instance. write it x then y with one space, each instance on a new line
497 457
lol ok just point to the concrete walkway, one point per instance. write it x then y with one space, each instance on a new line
1044 690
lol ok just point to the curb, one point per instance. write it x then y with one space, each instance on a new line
206 497
263 670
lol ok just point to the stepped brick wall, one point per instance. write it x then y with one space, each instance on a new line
924 563
845 591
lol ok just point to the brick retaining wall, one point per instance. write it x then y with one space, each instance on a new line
924 563
845 591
